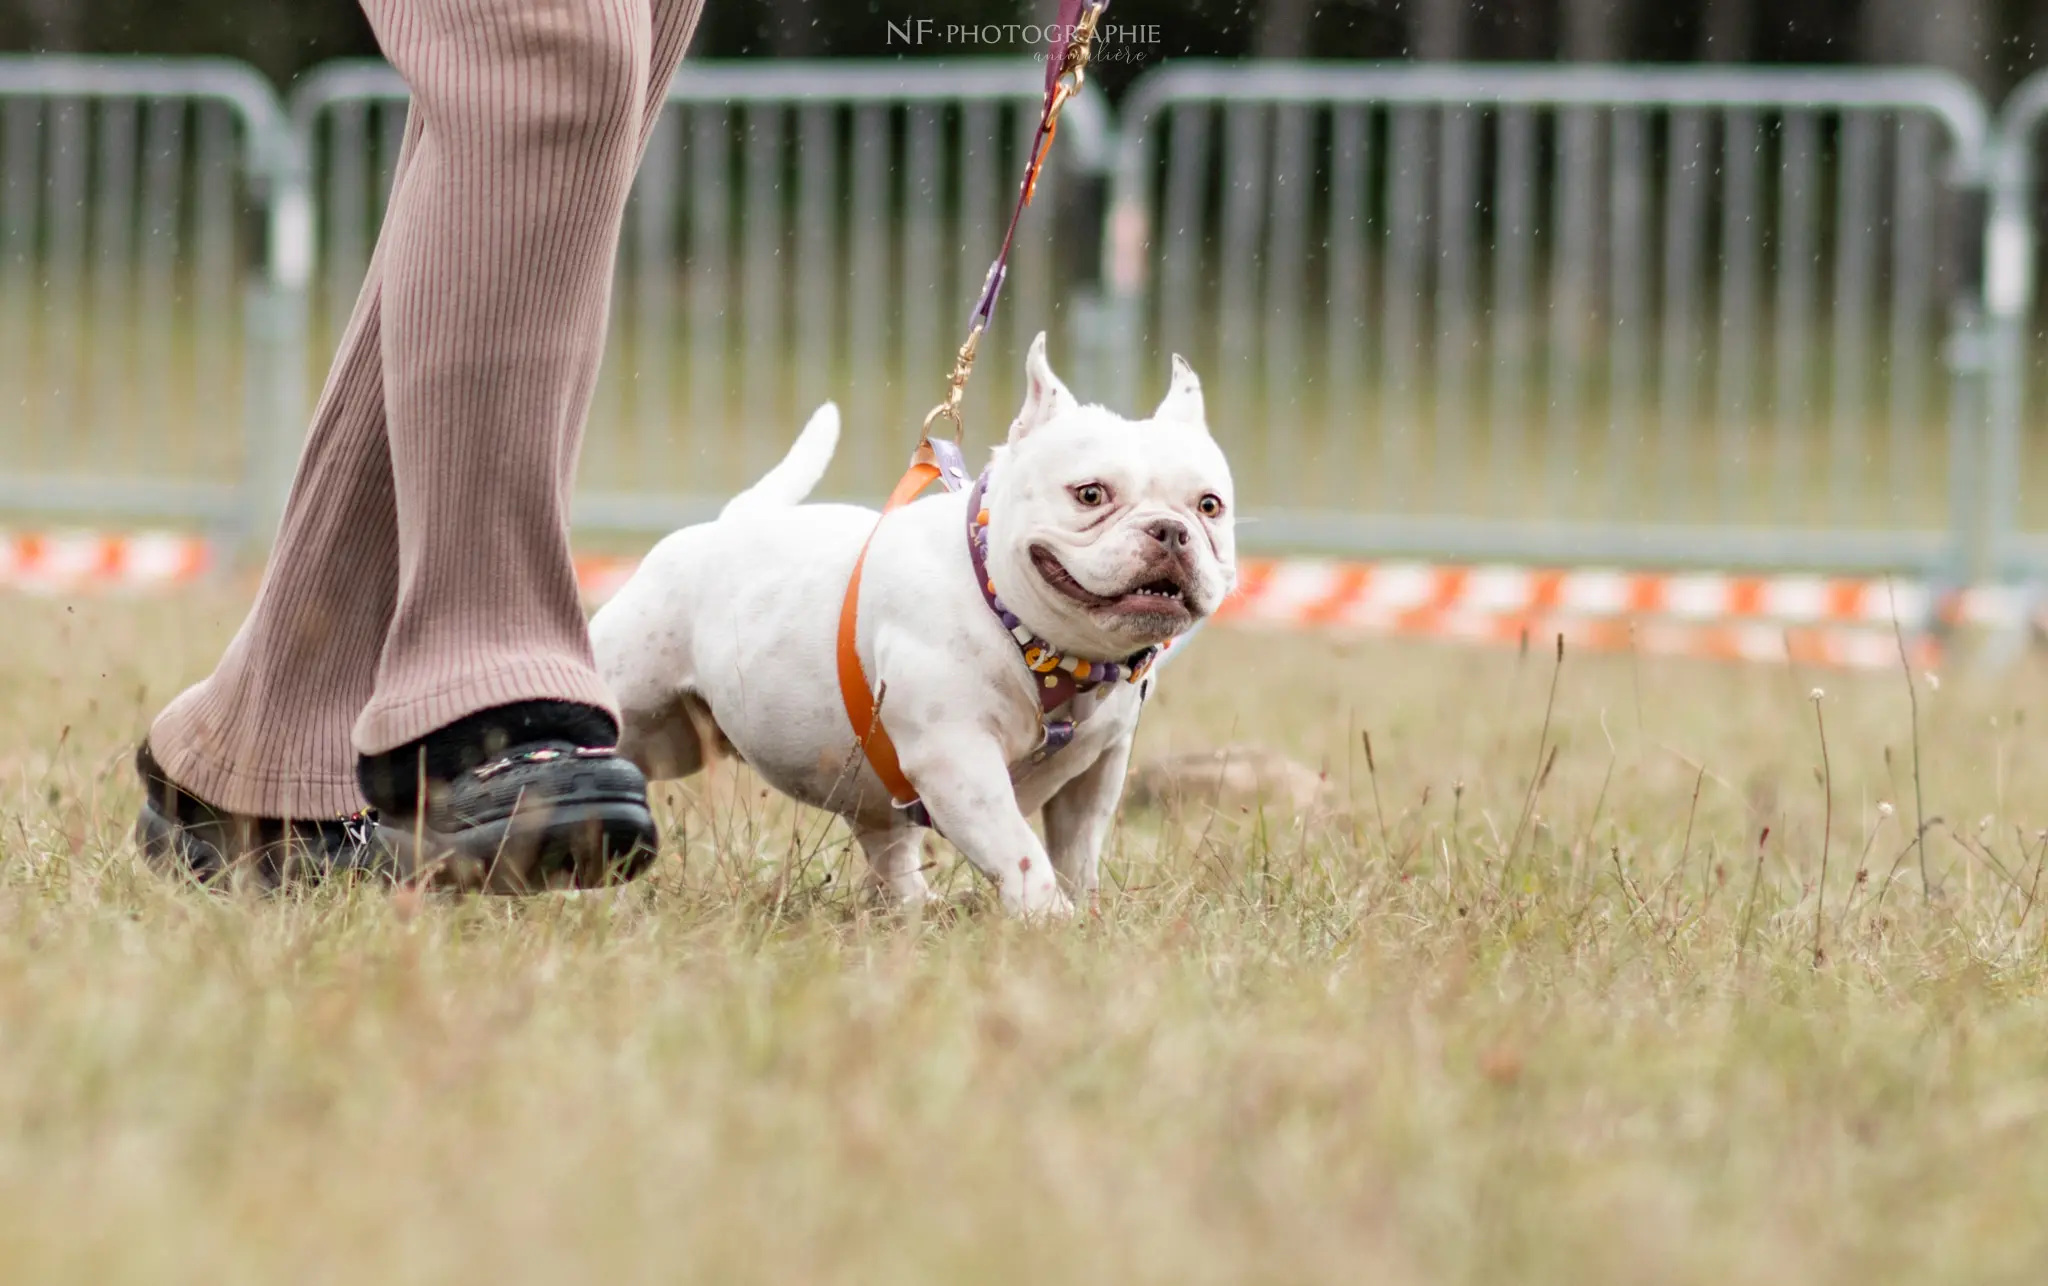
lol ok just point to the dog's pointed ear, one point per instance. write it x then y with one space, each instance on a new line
1045 398
1183 400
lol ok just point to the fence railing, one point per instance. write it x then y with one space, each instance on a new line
2016 531
129 319
1708 316
1585 314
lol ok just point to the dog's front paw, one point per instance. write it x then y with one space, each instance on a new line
1035 893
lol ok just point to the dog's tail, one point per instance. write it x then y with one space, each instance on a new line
789 482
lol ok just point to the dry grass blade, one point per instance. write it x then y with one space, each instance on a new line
1827 830
1692 815
1756 884
1379 812
1920 822
1543 764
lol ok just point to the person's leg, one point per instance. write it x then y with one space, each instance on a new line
268 734
498 280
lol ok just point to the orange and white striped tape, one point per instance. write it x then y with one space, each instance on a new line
1810 620
1312 591
1829 646
69 562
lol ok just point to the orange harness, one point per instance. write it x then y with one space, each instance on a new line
863 707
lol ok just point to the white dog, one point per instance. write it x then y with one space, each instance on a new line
1102 538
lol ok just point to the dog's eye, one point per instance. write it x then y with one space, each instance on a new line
1092 495
1211 506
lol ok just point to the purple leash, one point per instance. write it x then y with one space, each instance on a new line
1065 69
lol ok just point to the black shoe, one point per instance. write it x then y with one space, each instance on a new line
517 799
179 832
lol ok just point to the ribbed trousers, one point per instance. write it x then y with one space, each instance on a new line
422 571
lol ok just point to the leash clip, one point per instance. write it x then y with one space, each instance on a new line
1074 67
1073 74
956 392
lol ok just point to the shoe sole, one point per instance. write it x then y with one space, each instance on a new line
171 846
167 846
567 846
572 846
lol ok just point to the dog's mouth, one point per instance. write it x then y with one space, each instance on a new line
1164 595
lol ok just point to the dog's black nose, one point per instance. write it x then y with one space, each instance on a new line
1170 532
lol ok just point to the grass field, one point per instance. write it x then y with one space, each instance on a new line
1406 1039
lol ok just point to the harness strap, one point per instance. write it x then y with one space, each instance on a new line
939 461
861 710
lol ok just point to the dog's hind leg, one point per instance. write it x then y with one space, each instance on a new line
896 864
673 741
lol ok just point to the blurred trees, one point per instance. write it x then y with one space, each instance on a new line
1991 42
1957 34
1284 28
60 22
1438 29
1725 28
1596 31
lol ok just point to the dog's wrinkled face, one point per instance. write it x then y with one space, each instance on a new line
1106 535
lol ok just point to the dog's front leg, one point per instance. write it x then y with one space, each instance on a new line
965 785
1078 818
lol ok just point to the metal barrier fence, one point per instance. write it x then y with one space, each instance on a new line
1684 315
134 344
798 232
2017 534
1572 314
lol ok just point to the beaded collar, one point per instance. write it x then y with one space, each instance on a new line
1060 678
